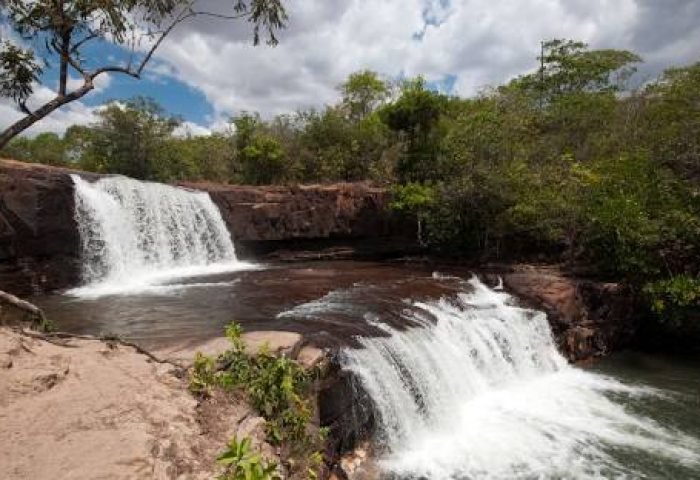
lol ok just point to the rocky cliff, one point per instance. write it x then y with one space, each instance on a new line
39 240
38 236
589 319
344 219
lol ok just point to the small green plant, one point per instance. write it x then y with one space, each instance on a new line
203 374
278 389
242 464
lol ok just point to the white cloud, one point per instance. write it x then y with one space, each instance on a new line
191 129
480 42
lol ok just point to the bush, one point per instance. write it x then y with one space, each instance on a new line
676 301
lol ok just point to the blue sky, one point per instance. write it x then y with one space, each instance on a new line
208 71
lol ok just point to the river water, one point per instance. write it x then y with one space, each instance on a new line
464 383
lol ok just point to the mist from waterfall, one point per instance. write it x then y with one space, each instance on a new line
139 235
479 391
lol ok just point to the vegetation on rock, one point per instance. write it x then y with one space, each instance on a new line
279 390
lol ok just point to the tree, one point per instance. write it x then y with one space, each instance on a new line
415 116
259 155
363 92
568 66
672 120
129 138
65 28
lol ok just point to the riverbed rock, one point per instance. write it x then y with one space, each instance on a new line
275 342
589 318
342 220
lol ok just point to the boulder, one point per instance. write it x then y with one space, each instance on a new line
39 240
588 318
276 342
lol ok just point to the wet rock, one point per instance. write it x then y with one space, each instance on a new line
39 241
343 220
588 318
310 357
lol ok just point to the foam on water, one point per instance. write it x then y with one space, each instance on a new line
480 391
135 235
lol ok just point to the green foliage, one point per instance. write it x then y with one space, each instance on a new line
242 464
363 92
416 116
63 30
277 387
672 121
130 138
675 300
47 148
18 72
412 197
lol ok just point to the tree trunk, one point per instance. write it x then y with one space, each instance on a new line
41 112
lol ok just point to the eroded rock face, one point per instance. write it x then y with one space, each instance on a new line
39 240
333 221
588 318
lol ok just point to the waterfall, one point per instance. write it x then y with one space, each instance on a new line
136 234
479 390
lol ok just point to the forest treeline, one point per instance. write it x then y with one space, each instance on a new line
580 161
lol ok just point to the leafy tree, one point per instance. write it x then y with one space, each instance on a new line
363 92
129 138
259 155
415 116
568 66
63 29
672 120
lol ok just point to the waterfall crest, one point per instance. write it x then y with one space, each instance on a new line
134 234
480 391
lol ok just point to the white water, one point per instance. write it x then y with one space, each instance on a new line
480 392
135 235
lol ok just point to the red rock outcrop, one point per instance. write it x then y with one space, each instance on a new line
589 319
347 219
39 239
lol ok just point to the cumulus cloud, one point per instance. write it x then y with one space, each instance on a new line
459 44
476 42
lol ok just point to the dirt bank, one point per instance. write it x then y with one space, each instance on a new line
87 409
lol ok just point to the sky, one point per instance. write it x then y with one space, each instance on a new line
208 70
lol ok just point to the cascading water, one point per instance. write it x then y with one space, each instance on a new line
480 391
135 234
